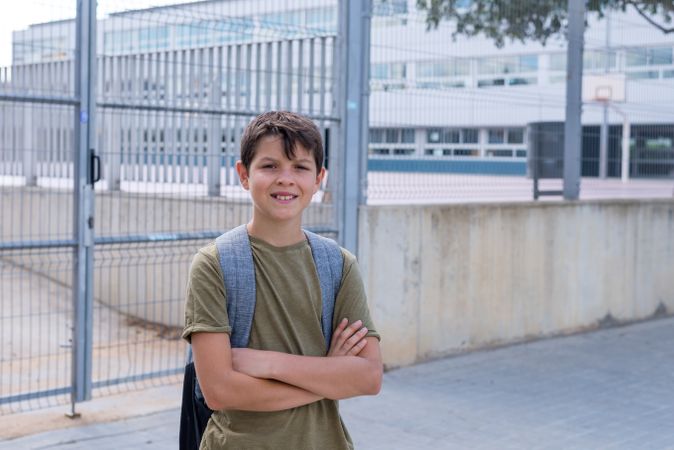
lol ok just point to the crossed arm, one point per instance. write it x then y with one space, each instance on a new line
258 380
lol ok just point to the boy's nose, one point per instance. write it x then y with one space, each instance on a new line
285 177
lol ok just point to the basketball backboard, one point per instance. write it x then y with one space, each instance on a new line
604 88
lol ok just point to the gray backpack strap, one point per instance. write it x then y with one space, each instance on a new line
238 271
329 263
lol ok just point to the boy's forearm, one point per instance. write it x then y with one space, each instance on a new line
243 392
334 377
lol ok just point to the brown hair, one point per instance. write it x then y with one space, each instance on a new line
293 128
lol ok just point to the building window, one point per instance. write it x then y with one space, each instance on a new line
516 136
454 67
389 7
470 135
407 136
392 135
508 64
645 75
472 152
519 81
491 82
496 136
649 56
388 71
598 60
376 135
444 135
499 153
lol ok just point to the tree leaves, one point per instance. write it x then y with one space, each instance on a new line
537 20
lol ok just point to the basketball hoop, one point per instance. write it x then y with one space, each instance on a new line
604 88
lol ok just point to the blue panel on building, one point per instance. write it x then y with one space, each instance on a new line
481 167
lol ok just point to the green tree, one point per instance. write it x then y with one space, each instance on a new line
537 20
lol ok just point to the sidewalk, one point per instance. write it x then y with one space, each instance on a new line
612 388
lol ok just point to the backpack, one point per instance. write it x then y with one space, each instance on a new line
238 270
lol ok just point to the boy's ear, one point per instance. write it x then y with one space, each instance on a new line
319 179
243 174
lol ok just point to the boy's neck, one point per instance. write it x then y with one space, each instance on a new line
278 234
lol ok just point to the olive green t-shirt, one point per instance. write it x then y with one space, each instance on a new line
287 319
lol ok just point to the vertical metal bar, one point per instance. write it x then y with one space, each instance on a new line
215 129
323 71
29 144
289 76
603 135
83 201
268 66
188 143
237 103
230 179
200 144
279 73
113 167
249 74
258 71
300 74
574 79
625 157
353 98
311 75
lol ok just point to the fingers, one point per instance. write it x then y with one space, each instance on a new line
355 338
338 331
348 332
356 349
348 339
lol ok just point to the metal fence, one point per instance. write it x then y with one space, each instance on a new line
174 88
453 114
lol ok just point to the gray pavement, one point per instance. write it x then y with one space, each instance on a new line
610 389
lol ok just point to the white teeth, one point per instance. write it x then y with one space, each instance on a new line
284 197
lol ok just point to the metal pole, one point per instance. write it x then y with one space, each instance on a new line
354 41
603 136
625 161
83 233
574 78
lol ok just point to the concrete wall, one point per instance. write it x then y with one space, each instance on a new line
442 279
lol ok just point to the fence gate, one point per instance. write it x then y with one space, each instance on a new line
149 119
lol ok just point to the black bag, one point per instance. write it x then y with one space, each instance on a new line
194 414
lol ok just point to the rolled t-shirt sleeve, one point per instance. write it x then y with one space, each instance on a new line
205 303
351 301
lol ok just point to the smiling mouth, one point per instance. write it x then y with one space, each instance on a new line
284 197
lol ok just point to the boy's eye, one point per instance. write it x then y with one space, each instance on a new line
268 166
302 167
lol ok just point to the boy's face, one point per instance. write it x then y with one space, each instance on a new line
281 188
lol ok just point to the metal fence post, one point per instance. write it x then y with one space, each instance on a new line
83 209
574 80
354 44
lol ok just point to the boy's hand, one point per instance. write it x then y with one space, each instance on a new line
348 340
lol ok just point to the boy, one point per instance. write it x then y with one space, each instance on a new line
281 392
